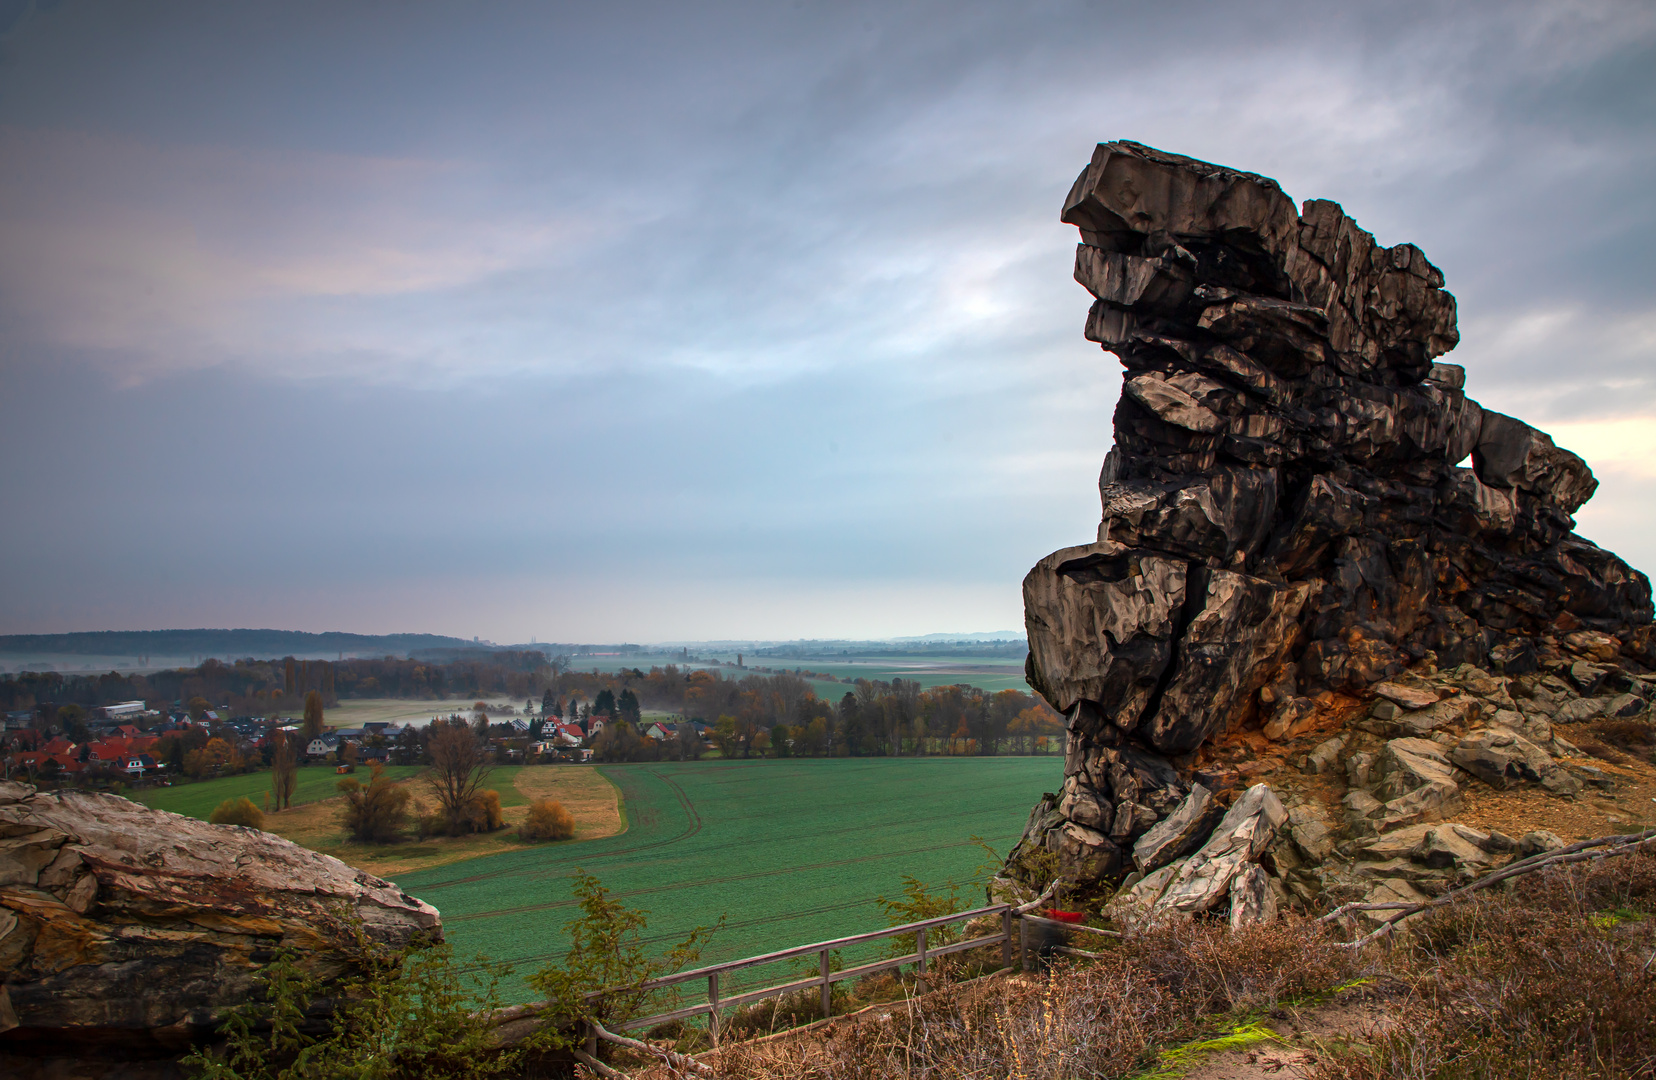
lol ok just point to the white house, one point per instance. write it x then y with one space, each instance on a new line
322 745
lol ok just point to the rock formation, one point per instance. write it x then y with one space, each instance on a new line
1289 531
125 931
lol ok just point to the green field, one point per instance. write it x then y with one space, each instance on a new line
789 852
199 799
988 673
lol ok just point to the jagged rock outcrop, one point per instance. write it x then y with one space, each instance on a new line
125 931
1287 522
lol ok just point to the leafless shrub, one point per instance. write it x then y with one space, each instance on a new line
1098 1018
1550 979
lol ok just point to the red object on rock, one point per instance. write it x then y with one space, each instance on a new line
1065 916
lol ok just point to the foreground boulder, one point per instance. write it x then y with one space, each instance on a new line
126 932
1289 531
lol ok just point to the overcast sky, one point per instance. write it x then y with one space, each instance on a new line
684 320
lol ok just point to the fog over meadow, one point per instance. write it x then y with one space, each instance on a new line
676 322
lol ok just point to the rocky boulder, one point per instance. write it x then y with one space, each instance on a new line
126 932
1290 545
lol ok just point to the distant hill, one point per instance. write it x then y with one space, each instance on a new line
993 635
258 643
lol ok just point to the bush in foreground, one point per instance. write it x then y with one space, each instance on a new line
547 820
238 812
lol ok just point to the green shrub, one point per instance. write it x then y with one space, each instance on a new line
607 951
238 812
413 1014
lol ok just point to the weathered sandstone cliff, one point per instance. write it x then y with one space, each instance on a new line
1303 513
126 931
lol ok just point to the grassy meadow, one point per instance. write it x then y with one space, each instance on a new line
788 851
199 799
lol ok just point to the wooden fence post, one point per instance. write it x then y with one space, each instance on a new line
827 988
920 952
713 1013
1006 941
1023 943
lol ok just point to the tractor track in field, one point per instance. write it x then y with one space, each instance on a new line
761 920
543 872
722 880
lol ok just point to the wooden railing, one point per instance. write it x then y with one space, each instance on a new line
825 978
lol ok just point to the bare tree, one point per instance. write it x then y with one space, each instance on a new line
458 769
284 769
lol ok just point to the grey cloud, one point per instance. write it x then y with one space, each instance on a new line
811 315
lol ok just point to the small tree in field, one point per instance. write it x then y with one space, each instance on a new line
547 820
458 770
284 770
376 812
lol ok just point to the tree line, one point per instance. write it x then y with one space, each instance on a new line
264 686
751 715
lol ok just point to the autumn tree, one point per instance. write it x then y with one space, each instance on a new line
284 770
313 715
458 768
212 757
375 812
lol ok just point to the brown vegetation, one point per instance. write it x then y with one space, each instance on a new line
376 812
237 812
313 715
284 770
1551 977
547 820
459 765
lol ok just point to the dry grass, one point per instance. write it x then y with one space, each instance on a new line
592 800
1552 978
1104 1018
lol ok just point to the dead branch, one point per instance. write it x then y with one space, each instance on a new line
598 1066
673 1060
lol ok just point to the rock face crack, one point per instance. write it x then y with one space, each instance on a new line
1286 508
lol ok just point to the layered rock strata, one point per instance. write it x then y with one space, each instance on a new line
1301 507
126 932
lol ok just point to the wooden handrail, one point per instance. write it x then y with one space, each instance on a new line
825 978
806 950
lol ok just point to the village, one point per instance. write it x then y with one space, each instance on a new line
134 745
